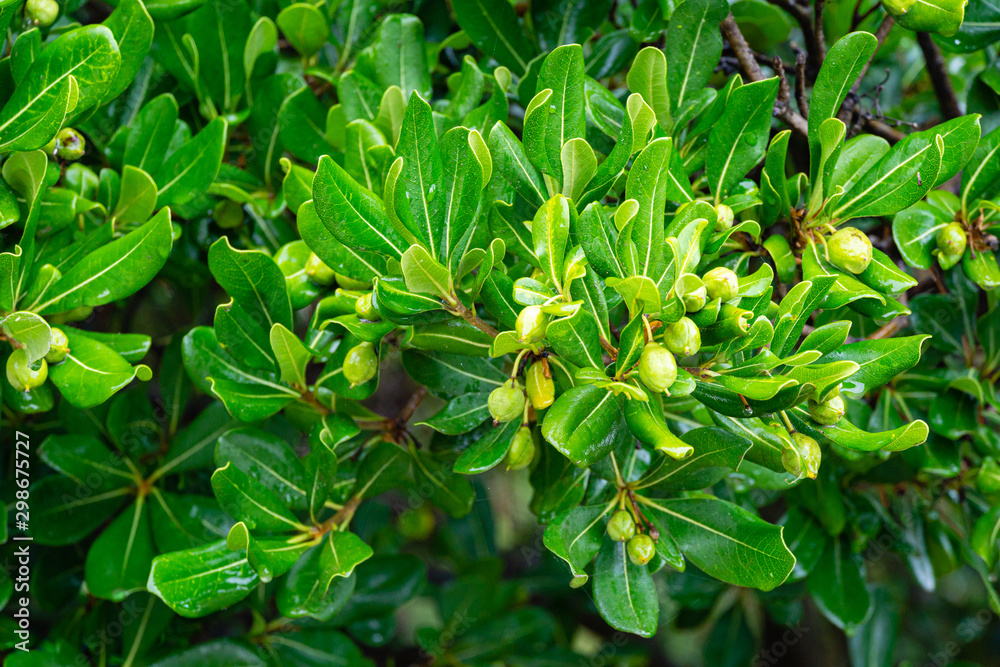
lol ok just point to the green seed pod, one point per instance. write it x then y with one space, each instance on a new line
850 249
803 457
58 346
531 324
721 283
360 364
988 479
695 300
951 240
365 309
725 218
541 389
228 214
318 272
70 144
682 337
21 375
621 526
522 450
641 549
828 412
42 12
350 283
657 367
506 403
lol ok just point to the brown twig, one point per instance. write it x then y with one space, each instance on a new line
748 63
937 69
812 34
878 128
470 316
800 84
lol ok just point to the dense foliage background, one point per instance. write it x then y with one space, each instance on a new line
564 332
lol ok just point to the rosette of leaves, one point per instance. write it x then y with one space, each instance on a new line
974 212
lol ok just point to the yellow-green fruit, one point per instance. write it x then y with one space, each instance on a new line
541 388
360 364
621 526
522 450
506 402
942 16
951 240
365 309
828 412
725 218
682 337
228 214
531 324
21 375
418 523
657 367
721 283
350 283
318 272
641 549
42 12
802 459
695 300
58 346
70 144
850 249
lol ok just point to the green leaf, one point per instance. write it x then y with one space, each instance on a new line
267 460
419 200
119 560
425 274
305 28
980 179
584 423
138 196
488 451
576 339
624 592
401 57
879 360
132 28
452 493
352 214
249 502
648 182
197 582
714 449
80 65
30 332
842 66
693 46
92 372
189 170
648 78
726 541
837 585
493 27
737 142
550 233
115 270
292 355
576 536
151 133
452 375
460 415
561 117
511 162
847 435
255 284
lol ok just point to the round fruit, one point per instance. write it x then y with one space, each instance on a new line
42 12
850 249
360 364
531 324
803 457
951 240
828 412
522 450
721 283
418 523
70 144
21 375
365 309
228 214
506 402
657 367
696 300
641 549
58 346
621 526
318 272
725 218
350 283
682 337
541 388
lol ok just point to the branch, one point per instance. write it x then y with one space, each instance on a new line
470 316
937 69
880 129
748 63
812 31
852 98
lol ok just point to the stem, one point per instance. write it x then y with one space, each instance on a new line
470 316
937 69
788 422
